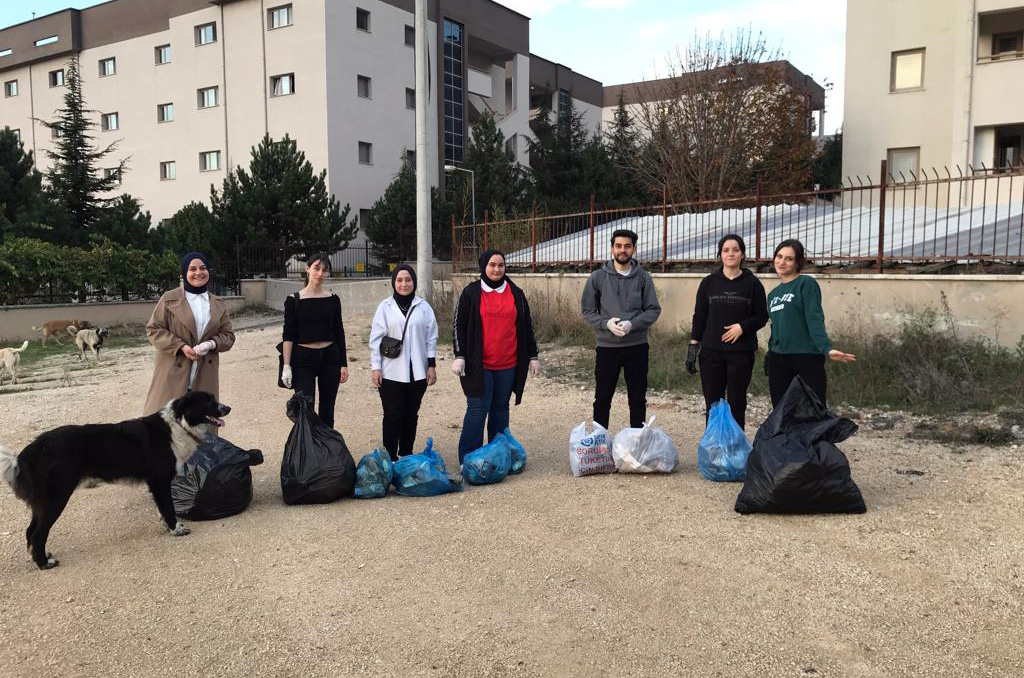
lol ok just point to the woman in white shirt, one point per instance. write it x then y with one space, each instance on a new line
189 328
403 379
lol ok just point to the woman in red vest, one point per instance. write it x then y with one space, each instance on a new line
494 348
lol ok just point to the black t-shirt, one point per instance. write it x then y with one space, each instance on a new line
314 319
722 302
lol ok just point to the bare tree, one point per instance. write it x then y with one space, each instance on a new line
730 114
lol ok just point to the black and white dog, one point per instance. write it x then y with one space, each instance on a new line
149 449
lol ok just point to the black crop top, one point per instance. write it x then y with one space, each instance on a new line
317 319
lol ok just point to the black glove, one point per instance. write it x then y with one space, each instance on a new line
691 358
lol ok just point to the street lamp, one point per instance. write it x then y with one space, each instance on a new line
472 184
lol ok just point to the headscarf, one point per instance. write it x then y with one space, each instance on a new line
185 261
404 301
484 258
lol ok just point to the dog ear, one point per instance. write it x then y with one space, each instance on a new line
178 407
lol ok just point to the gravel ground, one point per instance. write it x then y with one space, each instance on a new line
542 575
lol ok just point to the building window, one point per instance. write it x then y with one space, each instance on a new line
108 67
46 41
11 88
410 36
410 98
113 172
454 92
164 112
564 106
206 34
1008 148
279 17
365 153
410 158
512 146
209 161
362 19
17 134
57 77
907 70
6 52
1007 44
363 86
108 122
903 164
56 132
282 85
162 54
207 97
364 218
168 170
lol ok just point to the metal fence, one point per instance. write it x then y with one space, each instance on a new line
272 261
927 216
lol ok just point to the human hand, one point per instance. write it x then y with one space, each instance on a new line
535 367
613 327
286 376
189 353
691 358
732 333
459 367
205 347
431 376
376 377
626 327
343 376
841 357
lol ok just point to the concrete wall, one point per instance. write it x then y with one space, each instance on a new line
989 306
16 322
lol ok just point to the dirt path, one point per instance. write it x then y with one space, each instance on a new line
542 575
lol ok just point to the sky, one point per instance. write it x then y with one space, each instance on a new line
619 41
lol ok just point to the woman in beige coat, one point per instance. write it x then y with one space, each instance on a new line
189 328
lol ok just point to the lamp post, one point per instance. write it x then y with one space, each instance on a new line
472 184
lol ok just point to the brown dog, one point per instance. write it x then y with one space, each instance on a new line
55 328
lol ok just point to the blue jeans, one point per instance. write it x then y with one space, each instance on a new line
492 406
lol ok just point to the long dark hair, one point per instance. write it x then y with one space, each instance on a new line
798 251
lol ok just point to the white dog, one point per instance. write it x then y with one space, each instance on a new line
10 358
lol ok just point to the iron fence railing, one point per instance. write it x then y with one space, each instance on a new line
262 261
926 216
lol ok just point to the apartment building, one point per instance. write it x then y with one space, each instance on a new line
187 87
637 94
933 84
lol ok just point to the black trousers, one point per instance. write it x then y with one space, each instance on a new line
318 366
726 374
609 362
783 367
401 401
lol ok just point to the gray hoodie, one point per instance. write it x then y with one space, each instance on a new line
632 297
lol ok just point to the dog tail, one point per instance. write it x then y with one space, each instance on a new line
36 329
9 468
72 330
23 347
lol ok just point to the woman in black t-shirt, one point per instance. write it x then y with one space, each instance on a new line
729 311
314 340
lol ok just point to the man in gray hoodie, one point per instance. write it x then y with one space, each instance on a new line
619 301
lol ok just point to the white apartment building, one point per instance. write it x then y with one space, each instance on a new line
187 87
933 84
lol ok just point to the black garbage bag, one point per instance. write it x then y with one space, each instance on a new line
317 467
795 466
216 481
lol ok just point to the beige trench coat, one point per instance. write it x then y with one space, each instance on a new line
169 328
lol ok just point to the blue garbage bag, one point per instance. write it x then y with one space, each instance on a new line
723 451
373 475
489 464
423 474
518 454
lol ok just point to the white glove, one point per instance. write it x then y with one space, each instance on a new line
535 367
459 367
613 327
205 347
625 326
286 376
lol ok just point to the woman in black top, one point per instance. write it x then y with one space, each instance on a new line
314 340
729 311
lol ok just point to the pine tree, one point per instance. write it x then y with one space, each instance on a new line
391 227
499 182
21 191
280 199
74 182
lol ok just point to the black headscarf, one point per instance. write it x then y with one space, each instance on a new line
185 261
404 301
484 258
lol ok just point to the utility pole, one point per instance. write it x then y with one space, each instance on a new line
424 239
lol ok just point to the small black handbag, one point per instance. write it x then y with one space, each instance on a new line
391 347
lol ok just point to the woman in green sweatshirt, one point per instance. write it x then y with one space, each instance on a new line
799 343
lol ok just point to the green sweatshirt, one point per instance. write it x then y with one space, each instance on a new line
798 323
